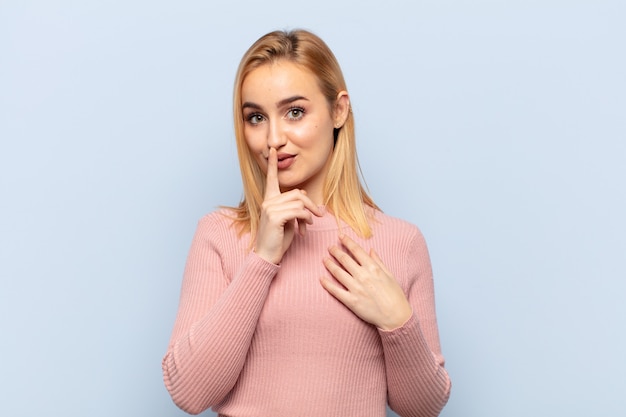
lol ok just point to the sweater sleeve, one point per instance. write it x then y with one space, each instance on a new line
216 319
417 382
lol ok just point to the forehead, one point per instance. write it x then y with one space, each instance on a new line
279 80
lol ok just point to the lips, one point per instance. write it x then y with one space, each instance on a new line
285 160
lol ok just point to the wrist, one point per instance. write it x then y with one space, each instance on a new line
397 321
266 257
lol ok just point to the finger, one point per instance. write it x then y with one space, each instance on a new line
345 264
301 227
280 209
379 261
301 196
357 251
309 204
335 290
340 274
272 187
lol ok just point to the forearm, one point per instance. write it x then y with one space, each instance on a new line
418 384
203 363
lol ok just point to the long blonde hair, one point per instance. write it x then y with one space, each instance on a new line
344 194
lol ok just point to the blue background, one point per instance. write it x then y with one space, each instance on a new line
498 127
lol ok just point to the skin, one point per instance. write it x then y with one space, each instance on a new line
284 109
287 117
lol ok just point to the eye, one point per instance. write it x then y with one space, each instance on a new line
254 118
295 113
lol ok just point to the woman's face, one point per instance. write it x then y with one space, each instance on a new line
283 108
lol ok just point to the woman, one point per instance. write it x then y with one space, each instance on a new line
305 300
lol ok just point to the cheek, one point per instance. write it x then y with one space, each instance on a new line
252 137
310 135
256 145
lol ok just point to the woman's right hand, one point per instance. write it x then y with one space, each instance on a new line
281 213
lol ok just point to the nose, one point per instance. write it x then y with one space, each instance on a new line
276 137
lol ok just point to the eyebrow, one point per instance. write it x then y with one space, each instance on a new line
281 103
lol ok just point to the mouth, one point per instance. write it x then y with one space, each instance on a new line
285 160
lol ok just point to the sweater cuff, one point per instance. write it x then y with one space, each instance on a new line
407 326
256 271
407 344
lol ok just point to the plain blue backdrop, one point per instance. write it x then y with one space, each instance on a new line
498 127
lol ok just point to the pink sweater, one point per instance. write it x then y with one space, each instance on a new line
254 339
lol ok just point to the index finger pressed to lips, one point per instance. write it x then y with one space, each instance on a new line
272 187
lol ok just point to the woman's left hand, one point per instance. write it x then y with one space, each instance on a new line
369 289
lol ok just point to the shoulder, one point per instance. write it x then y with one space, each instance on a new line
221 216
403 248
385 224
218 224
402 235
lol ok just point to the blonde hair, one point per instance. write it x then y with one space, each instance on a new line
344 194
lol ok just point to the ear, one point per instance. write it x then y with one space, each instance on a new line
342 109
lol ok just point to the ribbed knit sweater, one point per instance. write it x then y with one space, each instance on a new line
254 339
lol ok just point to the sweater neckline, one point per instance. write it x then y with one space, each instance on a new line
326 222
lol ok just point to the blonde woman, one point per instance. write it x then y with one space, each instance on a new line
305 300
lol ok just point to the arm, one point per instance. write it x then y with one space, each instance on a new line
217 319
417 383
215 322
